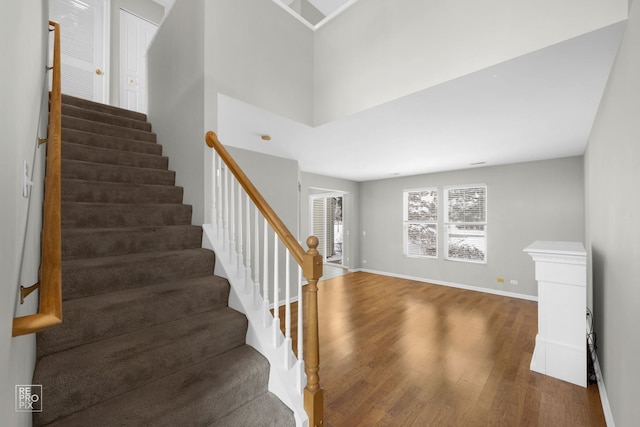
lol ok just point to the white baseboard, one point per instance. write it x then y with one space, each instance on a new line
452 285
604 399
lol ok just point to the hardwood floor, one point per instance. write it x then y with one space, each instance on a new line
397 352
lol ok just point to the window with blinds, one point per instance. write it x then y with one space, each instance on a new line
466 223
421 222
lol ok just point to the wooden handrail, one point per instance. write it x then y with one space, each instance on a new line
311 263
269 214
50 285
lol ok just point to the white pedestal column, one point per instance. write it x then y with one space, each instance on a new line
561 272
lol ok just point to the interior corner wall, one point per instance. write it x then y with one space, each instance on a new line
259 54
146 9
23 118
351 209
613 226
276 178
379 50
176 98
531 201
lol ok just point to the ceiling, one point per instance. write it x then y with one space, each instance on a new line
327 7
534 107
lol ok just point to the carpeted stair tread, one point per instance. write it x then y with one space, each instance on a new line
69 122
99 215
186 398
95 276
264 410
88 153
80 243
83 376
96 106
111 142
117 313
147 336
104 117
77 169
77 190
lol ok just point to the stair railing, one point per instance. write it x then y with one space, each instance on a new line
240 231
50 285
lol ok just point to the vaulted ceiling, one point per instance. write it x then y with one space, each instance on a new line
537 106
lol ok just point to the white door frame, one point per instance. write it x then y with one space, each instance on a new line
101 90
124 77
322 193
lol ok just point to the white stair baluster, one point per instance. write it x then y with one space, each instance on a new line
239 228
301 377
214 183
219 193
256 248
265 277
247 248
288 352
225 188
276 294
232 220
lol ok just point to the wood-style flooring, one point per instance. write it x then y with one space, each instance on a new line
396 352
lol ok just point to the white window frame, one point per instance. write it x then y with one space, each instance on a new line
407 222
448 225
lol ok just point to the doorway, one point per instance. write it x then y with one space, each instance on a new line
328 225
84 33
135 35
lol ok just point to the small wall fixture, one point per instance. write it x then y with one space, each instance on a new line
265 138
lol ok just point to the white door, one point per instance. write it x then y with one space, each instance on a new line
83 47
135 36
328 226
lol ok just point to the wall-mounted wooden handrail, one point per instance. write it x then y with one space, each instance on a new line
311 263
50 285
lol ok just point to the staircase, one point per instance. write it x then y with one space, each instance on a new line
147 335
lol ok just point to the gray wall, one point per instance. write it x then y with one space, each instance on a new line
310 184
250 50
176 98
259 54
276 178
24 34
379 50
613 227
525 202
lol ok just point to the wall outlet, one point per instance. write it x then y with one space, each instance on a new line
364 261
500 280
513 282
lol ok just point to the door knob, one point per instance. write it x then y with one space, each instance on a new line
99 72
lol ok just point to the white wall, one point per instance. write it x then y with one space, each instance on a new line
379 50
351 209
21 86
176 98
613 226
531 201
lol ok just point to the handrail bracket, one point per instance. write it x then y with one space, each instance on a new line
24 292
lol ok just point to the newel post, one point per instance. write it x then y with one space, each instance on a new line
313 394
